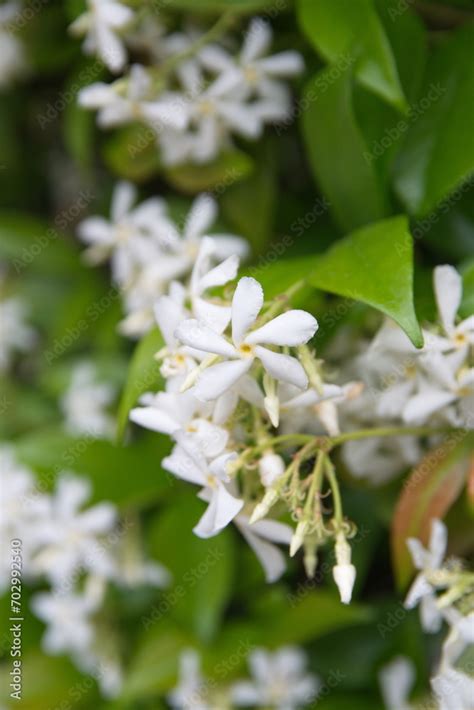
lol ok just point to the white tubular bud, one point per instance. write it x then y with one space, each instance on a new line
260 510
298 537
272 408
271 466
344 572
310 560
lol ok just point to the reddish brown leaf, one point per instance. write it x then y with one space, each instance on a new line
428 492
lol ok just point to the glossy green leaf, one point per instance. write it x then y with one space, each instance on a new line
202 569
374 265
438 153
218 175
467 305
340 30
428 493
143 376
126 476
337 152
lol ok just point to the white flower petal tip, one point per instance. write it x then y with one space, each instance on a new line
298 538
344 576
260 510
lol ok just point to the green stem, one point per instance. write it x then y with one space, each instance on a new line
315 482
336 494
390 431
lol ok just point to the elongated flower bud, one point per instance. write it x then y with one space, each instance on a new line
271 466
344 572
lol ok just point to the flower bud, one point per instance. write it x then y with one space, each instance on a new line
298 537
310 559
344 572
260 510
271 466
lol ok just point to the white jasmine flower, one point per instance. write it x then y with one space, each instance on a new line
13 64
187 242
261 537
396 681
288 329
461 635
444 382
15 335
85 401
188 462
279 681
68 539
137 103
448 293
252 69
188 694
344 572
69 621
101 23
427 561
129 238
22 509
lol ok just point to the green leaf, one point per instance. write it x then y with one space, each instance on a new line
428 493
374 265
337 152
311 614
126 476
338 28
217 176
202 569
249 206
47 681
467 305
143 375
132 153
438 153
154 666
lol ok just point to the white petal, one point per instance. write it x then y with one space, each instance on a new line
225 406
271 558
216 380
168 315
110 48
123 198
420 407
430 615
215 316
154 419
96 96
202 214
291 328
241 118
226 245
448 292
396 681
183 466
282 367
418 553
257 41
273 531
220 512
96 230
246 305
198 335
438 542
223 273
282 64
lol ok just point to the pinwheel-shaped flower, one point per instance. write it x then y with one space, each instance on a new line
288 329
188 461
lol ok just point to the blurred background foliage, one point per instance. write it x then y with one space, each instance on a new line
381 142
